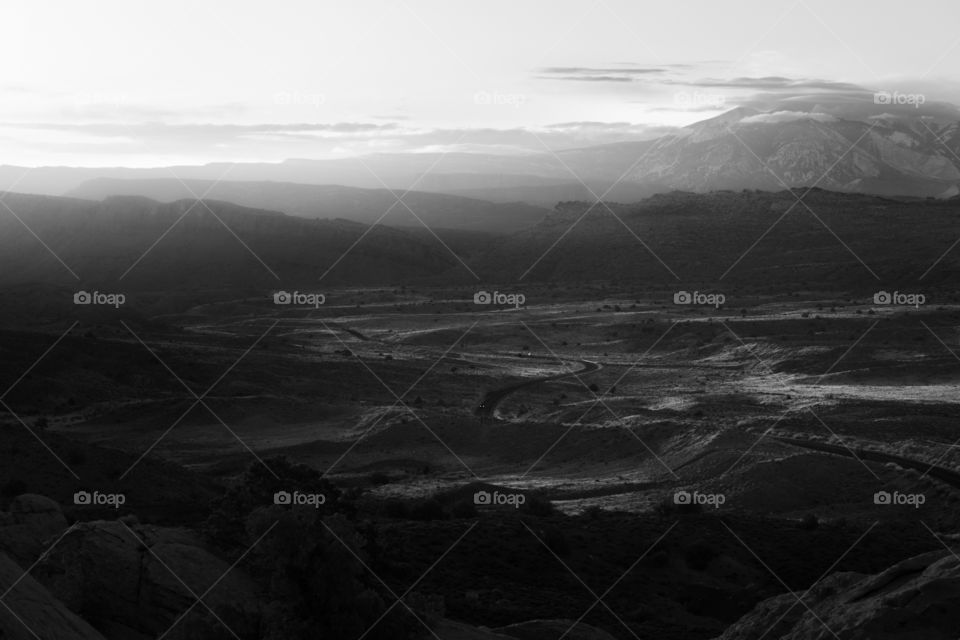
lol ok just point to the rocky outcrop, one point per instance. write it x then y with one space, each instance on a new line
453 630
28 611
917 599
29 525
144 578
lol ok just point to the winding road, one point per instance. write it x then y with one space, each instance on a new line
943 474
495 396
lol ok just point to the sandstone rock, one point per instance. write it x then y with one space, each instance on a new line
917 599
452 630
31 523
102 571
29 611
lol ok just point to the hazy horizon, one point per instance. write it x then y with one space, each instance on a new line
185 84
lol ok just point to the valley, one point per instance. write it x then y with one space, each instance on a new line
730 430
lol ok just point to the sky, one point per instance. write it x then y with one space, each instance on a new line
149 83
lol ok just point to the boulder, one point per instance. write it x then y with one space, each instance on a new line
916 599
29 611
141 578
453 630
29 526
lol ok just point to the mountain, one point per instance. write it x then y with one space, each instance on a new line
859 147
747 149
757 240
367 206
136 244
443 172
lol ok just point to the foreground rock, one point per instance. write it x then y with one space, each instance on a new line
29 611
917 599
104 572
453 630
30 523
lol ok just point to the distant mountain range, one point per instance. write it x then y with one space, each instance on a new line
874 149
181 254
418 208
748 149
750 240
135 244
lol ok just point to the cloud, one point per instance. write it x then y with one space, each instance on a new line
587 78
770 83
596 70
205 130
597 74
152 143
787 116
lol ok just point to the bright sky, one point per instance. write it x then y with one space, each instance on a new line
145 83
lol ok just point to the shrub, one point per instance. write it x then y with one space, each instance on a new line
10 490
668 508
429 509
378 478
593 512
397 509
538 506
699 555
556 540
464 509
226 525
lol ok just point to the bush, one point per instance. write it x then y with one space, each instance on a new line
593 512
556 540
10 490
397 509
699 555
226 526
809 522
668 508
316 584
538 506
379 478
429 509
464 509
76 457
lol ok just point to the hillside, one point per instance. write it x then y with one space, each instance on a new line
365 206
187 246
750 239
